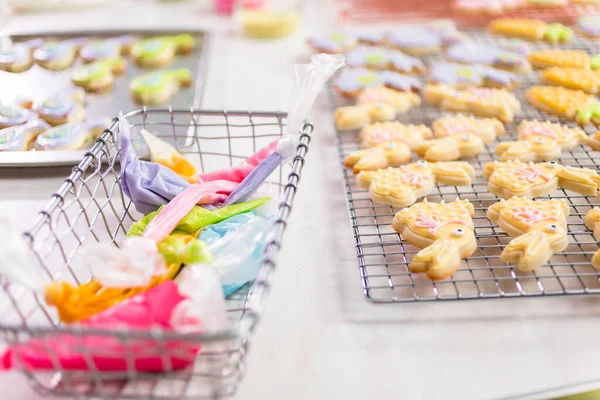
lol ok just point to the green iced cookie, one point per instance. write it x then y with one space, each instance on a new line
158 87
98 76
159 51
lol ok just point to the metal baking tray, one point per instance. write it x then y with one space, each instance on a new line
38 83
383 256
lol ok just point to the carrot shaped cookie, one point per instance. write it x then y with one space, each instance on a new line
484 102
562 58
413 135
402 186
540 141
383 155
586 80
530 29
539 229
444 232
515 178
559 101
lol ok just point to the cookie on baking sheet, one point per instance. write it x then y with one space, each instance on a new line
586 80
160 51
483 102
558 100
589 25
543 141
332 44
58 56
466 76
530 29
98 50
63 107
539 229
352 81
383 155
98 77
470 52
19 56
381 58
404 185
542 59
154 88
444 231
413 135
21 137
488 129
12 114
73 136
515 178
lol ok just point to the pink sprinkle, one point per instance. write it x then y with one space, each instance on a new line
539 130
530 216
530 173
433 223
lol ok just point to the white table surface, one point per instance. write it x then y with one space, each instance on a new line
320 338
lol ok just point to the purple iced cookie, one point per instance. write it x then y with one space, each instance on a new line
469 52
371 38
499 77
455 74
397 81
589 25
381 58
414 38
515 46
336 43
352 80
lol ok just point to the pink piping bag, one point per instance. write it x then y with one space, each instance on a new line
307 81
193 306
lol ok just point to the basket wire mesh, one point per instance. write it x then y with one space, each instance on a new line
90 206
383 256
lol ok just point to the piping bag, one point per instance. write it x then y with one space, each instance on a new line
307 81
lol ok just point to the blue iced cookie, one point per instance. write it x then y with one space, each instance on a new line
18 57
63 107
11 115
74 136
98 50
21 137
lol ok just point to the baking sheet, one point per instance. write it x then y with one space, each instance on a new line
37 83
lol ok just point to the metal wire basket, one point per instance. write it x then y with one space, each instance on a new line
91 207
383 256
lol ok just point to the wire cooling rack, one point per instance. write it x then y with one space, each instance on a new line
383 256
90 207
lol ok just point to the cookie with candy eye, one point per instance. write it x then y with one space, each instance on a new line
159 51
465 76
110 48
444 231
73 136
56 56
98 77
530 29
21 137
18 57
11 115
379 132
404 185
63 107
381 58
383 155
529 180
352 81
488 129
538 228
158 87
469 52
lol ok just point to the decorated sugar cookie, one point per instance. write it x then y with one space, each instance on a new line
332 44
352 82
98 77
56 56
379 132
484 102
11 115
63 107
515 46
404 185
463 76
592 222
158 87
21 137
369 110
539 229
586 80
444 231
488 129
111 48
542 59
383 155
487 7
594 141
559 101
542 141
589 25
370 38
160 51
425 39
548 3
73 136
530 29
469 52
18 57
515 178
382 58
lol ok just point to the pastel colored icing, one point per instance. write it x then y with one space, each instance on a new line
381 57
556 32
370 37
503 78
100 50
64 135
469 52
589 24
585 114
155 47
351 80
595 62
334 42
11 115
62 104
19 52
96 71
515 46
158 81
414 37
401 82
18 138
53 51
455 74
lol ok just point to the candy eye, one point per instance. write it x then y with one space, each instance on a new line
553 228
552 164
467 136
539 140
390 145
421 163
458 232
